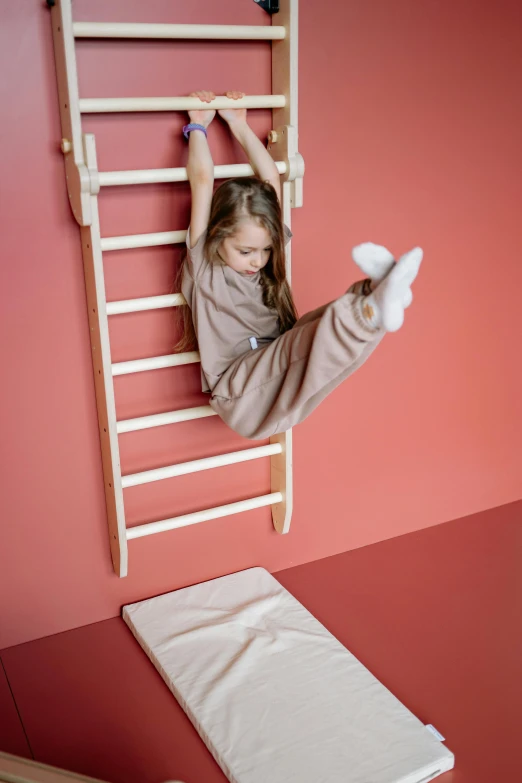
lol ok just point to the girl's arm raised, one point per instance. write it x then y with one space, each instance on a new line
200 169
256 151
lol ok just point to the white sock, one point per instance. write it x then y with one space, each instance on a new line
384 307
376 261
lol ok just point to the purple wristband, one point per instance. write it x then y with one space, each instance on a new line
193 126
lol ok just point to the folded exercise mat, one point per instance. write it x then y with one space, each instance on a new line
274 696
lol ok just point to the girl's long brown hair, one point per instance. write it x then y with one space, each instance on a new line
233 200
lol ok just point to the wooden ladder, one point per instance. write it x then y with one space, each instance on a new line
84 182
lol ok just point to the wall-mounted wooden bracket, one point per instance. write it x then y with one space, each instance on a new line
282 145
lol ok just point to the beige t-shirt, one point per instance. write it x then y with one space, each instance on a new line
227 308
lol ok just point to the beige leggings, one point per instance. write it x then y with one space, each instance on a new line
272 388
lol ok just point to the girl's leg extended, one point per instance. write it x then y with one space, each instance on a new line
275 387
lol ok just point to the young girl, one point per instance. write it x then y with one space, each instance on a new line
265 369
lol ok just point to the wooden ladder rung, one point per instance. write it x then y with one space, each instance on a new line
203 516
154 176
161 419
110 105
143 240
146 303
195 466
197 31
155 363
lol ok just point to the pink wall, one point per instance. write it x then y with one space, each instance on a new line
410 124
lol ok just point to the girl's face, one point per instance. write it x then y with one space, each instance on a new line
248 250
